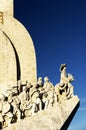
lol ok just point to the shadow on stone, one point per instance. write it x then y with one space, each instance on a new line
68 121
17 59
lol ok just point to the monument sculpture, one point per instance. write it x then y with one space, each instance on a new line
25 102
14 57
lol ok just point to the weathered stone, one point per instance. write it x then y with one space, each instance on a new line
51 119
6 6
17 54
26 104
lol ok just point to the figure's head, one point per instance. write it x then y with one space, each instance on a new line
40 78
28 84
39 82
62 66
46 79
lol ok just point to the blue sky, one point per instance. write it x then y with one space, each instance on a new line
58 30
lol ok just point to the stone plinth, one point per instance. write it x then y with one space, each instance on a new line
53 118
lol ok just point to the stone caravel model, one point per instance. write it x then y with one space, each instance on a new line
25 102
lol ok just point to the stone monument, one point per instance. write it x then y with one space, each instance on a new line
25 102
17 54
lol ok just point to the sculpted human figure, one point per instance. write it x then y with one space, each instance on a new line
28 86
36 101
65 87
50 90
40 84
70 88
24 97
13 90
60 90
63 77
47 85
19 86
6 111
51 98
10 98
16 107
40 87
45 100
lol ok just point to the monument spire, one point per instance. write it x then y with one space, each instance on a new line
6 7
17 52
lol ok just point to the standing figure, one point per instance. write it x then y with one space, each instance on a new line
66 79
40 84
16 107
49 90
36 101
6 111
48 86
63 78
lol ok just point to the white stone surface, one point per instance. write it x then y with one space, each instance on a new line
50 119
18 64
15 40
6 6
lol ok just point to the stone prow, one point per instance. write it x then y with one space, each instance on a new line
68 121
57 117
25 102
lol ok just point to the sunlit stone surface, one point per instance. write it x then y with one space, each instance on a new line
17 54
25 102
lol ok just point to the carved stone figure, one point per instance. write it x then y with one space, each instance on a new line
61 91
24 95
37 103
45 100
27 99
70 89
51 98
6 111
64 89
26 108
28 86
48 86
16 107
40 84
49 89
18 74
63 78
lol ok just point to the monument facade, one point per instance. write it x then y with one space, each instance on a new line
25 102
17 54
